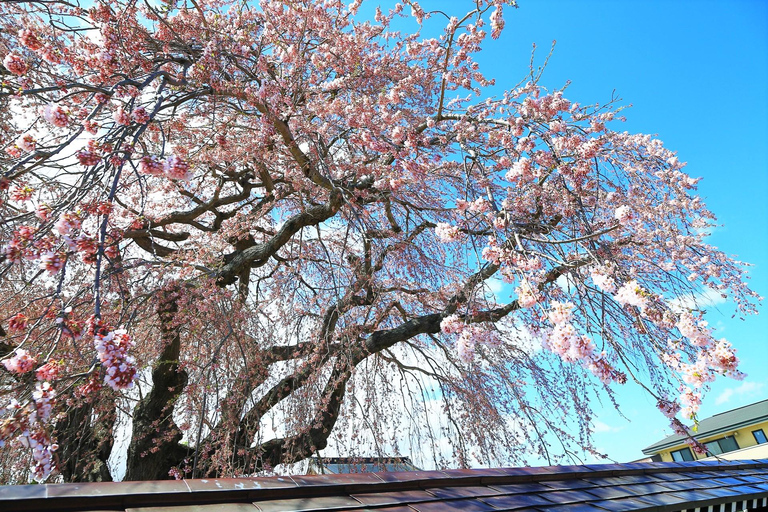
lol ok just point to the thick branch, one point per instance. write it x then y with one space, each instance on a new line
258 255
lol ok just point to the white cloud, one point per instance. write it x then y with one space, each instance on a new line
747 388
599 427
703 299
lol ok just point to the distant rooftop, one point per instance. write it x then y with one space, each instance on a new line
345 465
717 424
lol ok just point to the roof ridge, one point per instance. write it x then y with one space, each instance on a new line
202 491
736 409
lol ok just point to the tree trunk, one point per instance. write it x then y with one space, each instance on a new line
85 444
155 444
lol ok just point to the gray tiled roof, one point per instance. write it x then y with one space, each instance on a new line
654 486
718 424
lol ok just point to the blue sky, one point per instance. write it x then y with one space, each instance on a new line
696 75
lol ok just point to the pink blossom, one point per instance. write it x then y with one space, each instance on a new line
447 233
29 39
492 252
21 362
520 169
119 367
698 373
602 277
51 261
529 264
497 22
692 401
43 397
479 205
723 358
55 115
91 126
668 408
121 117
22 193
27 143
88 158
42 453
526 295
50 55
26 232
87 247
624 215
631 294
603 370
177 168
151 166
68 222
561 312
696 331
48 372
452 324
569 344
15 63
18 322
465 346
140 115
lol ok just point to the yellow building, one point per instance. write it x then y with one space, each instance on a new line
728 431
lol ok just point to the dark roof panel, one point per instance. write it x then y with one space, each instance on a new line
453 506
394 497
610 488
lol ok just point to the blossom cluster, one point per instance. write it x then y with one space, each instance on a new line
469 336
691 401
668 408
15 63
68 222
112 347
18 322
602 276
560 312
26 143
56 115
447 233
27 425
172 167
631 294
695 330
527 295
565 341
52 262
20 362
624 215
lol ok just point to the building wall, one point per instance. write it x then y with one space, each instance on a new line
743 436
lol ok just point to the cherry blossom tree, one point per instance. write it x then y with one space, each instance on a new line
254 230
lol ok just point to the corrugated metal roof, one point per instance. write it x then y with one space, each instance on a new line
655 486
717 424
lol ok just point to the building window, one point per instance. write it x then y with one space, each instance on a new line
759 436
684 454
724 445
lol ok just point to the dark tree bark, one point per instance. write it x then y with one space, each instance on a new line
85 444
155 444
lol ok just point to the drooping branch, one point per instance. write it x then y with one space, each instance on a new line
305 444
